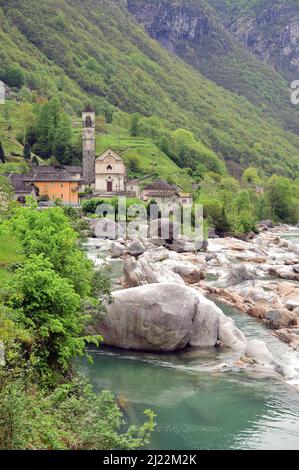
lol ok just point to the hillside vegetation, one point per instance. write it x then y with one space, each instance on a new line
94 51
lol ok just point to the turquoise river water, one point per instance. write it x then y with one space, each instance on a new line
198 405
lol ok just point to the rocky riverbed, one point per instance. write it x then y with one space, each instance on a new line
164 300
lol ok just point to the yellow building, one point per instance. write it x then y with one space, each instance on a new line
54 183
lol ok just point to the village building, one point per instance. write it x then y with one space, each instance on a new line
75 171
162 193
186 199
55 183
21 189
133 186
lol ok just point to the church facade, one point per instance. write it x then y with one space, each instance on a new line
110 173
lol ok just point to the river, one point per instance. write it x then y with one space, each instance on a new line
200 405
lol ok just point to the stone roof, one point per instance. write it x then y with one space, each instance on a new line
133 182
18 183
161 188
73 169
45 173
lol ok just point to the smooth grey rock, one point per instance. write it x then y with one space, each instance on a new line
166 317
183 246
153 318
136 248
296 268
117 250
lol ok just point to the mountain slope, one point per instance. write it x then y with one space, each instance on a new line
268 28
193 31
94 51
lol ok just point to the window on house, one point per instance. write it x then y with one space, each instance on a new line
61 196
109 167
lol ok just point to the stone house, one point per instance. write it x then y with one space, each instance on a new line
133 186
162 193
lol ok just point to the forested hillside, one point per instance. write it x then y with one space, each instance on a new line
94 51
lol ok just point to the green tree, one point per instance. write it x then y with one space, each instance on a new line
50 233
134 125
49 307
279 193
14 77
251 176
27 151
62 140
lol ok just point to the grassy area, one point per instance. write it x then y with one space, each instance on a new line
10 253
11 124
150 158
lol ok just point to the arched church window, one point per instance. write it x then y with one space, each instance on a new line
88 121
109 168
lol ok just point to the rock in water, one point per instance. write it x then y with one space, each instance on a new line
166 317
258 351
117 250
236 276
156 317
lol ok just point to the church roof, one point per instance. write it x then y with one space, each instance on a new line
109 153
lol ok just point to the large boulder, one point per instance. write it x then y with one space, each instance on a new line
166 317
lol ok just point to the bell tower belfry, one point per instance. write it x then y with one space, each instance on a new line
89 146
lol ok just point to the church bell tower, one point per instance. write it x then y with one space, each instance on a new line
89 146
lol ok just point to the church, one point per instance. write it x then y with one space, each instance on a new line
106 174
